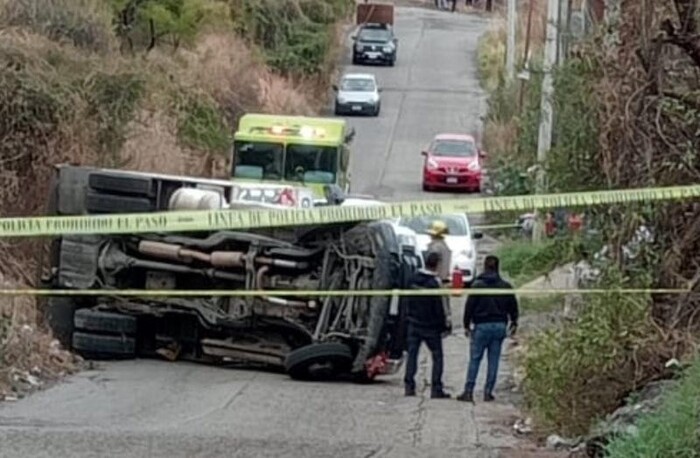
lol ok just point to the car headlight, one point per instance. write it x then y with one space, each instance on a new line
388 48
341 100
474 166
432 165
358 47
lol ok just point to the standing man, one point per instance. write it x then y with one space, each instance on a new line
437 231
426 323
491 315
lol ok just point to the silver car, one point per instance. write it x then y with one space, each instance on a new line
357 93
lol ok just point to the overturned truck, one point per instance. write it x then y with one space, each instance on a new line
310 337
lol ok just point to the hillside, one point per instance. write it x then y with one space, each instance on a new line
155 85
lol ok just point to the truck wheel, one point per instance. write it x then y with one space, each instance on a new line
59 312
107 322
321 361
112 203
359 242
95 346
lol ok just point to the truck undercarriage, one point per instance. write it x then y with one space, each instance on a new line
312 336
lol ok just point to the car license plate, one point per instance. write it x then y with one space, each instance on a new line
451 180
356 108
372 55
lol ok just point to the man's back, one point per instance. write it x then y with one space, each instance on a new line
440 247
490 308
426 310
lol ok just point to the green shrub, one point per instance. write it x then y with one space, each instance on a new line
490 55
523 261
581 370
203 126
113 99
294 35
670 432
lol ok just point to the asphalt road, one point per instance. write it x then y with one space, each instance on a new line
433 88
161 409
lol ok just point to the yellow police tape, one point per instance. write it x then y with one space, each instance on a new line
331 293
183 221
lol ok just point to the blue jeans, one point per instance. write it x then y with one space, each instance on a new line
433 339
485 337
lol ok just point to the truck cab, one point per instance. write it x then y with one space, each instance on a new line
292 150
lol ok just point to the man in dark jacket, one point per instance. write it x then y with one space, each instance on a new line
490 315
426 323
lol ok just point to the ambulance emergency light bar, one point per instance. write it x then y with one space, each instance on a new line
296 130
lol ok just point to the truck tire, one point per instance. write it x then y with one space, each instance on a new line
112 203
322 361
104 322
96 346
122 184
382 279
59 312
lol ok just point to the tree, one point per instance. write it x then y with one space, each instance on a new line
148 23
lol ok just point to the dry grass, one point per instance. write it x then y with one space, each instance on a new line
67 96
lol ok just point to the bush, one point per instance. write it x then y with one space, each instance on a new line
83 23
295 35
523 261
202 126
581 370
672 431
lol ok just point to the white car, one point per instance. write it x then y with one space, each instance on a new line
460 239
357 93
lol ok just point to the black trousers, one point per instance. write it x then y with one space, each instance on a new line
433 339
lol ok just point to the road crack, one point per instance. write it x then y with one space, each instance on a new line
421 410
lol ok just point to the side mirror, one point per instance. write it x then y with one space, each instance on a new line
350 135
396 40
424 153
380 90
353 37
477 235
335 87
333 194
482 154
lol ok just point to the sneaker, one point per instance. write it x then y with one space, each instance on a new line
440 395
410 392
466 397
488 397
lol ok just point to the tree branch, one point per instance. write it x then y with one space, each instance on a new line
688 43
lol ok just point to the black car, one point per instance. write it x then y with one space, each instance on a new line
375 43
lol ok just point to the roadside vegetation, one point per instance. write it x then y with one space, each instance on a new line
154 85
523 261
672 431
627 113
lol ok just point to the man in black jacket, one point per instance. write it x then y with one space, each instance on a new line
490 315
426 323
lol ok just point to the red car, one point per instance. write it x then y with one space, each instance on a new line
453 161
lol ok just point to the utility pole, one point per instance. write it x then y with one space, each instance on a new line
510 43
544 140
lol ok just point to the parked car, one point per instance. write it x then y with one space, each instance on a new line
358 93
453 161
460 239
375 43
